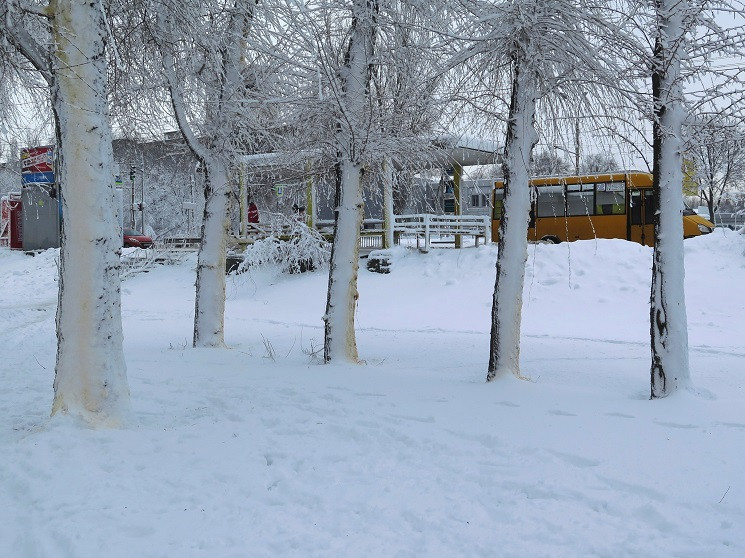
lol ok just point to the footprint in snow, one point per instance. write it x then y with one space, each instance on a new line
619 415
560 413
676 425
575 460
731 424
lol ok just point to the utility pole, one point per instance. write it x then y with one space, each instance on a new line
457 178
142 197
576 146
132 203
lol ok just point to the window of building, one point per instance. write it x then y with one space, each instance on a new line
478 200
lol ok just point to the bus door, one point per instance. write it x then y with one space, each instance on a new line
642 213
531 222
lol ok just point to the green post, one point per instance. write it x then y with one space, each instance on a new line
242 202
457 175
310 214
389 219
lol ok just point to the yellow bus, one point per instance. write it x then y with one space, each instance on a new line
614 205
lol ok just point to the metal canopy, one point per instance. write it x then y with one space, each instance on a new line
446 152
464 151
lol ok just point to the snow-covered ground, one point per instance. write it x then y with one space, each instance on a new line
260 451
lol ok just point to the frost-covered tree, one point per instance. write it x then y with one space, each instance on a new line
361 107
65 41
669 325
504 356
203 49
200 66
598 163
352 130
715 147
686 37
547 163
21 86
406 82
546 56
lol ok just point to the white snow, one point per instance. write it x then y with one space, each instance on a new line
236 454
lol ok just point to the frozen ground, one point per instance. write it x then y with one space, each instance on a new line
259 451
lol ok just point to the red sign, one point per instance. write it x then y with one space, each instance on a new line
16 222
37 159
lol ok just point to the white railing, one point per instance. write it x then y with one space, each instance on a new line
426 225
137 260
5 232
729 219
423 226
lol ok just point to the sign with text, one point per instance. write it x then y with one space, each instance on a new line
37 165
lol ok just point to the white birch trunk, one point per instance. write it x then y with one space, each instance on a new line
90 377
668 321
504 355
339 335
209 305
209 300
340 342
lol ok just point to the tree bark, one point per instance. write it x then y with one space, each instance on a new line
339 335
668 322
340 341
504 356
214 154
209 302
90 376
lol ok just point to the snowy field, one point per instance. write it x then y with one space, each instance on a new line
260 451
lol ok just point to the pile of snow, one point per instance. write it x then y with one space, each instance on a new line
259 450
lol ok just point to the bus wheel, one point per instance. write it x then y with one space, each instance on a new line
551 239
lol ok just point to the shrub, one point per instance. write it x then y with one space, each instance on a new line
288 243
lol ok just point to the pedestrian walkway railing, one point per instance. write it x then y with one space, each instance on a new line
426 227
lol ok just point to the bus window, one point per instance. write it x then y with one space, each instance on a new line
609 198
650 207
549 201
579 199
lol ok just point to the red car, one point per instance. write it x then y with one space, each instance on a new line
134 239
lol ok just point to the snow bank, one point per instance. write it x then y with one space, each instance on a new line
259 451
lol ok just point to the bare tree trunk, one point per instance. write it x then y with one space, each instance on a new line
209 302
339 335
90 377
710 204
668 322
340 341
222 112
504 356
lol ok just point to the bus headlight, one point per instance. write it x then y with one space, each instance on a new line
704 229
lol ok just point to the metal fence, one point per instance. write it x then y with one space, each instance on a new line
424 226
729 220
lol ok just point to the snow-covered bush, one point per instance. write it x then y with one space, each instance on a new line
288 243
